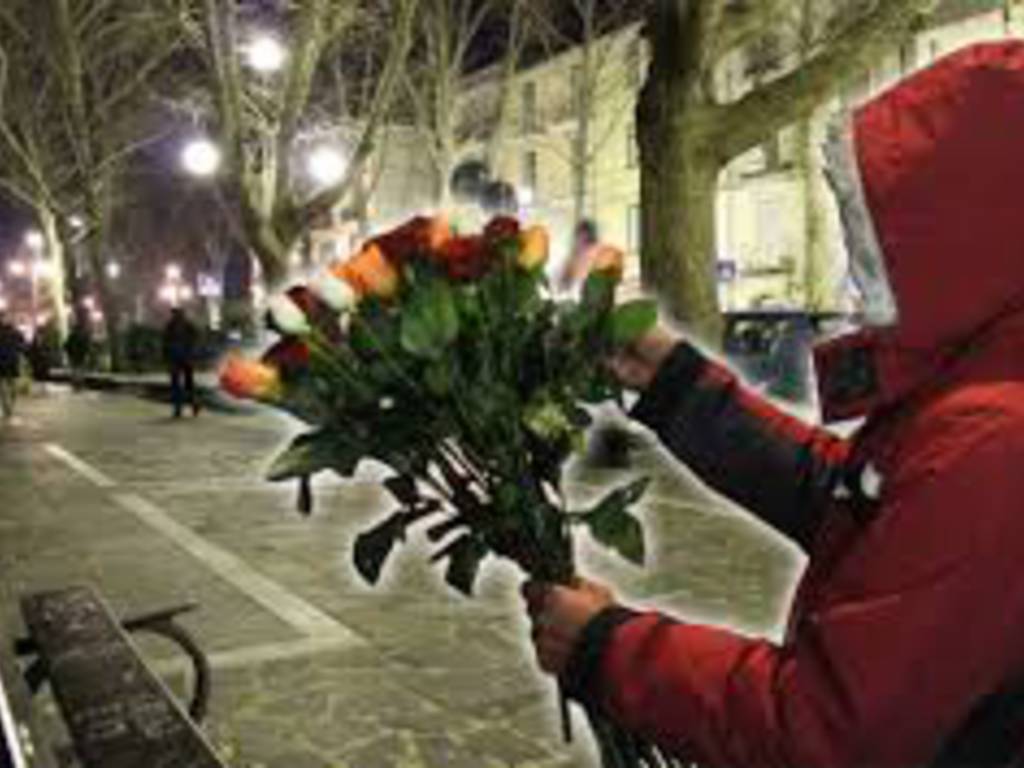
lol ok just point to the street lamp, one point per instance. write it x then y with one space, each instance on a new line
76 222
113 270
326 165
201 157
17 268
34 240
265 54
173 273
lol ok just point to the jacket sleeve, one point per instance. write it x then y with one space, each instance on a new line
921 622
769 462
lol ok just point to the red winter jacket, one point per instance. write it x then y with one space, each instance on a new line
911 610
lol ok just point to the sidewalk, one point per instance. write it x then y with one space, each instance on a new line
154 386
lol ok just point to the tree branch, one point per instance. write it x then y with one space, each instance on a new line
326 199
771 107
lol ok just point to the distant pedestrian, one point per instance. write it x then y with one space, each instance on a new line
12 345
585 245
179 347
78 348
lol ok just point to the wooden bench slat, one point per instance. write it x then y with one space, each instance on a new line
119 714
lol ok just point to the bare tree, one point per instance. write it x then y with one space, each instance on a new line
687 134
602 82
261 124
446 32
71 116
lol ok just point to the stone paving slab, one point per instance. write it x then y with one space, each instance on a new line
437 681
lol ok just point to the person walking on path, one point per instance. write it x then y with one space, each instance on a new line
179 348
78 348
12 345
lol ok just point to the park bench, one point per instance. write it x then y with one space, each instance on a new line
117 712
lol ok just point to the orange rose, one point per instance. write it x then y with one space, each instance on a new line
534 245
250 380
369 272
423 234
609 259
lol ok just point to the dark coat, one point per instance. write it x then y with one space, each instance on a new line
12 346
180 341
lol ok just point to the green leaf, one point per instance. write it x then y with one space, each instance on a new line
438 378
465 556
632 320
316 452
373 547
430 320
599 292
612 525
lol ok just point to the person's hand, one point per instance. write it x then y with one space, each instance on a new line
636 365
559 615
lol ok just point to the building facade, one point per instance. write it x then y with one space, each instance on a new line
774 213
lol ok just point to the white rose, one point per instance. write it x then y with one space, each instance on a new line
334 292
288 317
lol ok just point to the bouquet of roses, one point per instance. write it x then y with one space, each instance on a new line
444 357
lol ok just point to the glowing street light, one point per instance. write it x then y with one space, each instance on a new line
34 240
265 54
173 273
17 268
76 222
201 157
326 165
113 270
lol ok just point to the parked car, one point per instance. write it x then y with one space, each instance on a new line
772 348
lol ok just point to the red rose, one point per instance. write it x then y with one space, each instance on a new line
420 235
465 258
501 228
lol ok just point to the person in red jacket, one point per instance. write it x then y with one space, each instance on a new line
905 644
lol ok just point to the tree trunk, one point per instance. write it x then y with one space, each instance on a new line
816 253
678 192
95 247
267 244
58 263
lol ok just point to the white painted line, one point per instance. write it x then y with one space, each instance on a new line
88 472
287 606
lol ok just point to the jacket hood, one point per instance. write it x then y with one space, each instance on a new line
939 186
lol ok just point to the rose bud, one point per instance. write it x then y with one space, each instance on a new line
420 235
334 292
286 317
501 228
533 247
369 273
608 259
465 258
250 380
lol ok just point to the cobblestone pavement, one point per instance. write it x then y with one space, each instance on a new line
311 668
